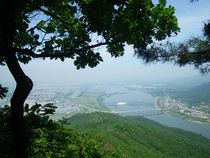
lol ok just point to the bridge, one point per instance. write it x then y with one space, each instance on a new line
144 112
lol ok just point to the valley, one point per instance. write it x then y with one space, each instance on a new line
155 101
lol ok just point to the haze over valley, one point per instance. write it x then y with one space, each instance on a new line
170 103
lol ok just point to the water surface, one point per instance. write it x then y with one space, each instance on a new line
134 100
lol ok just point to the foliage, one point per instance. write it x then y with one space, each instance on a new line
100 135
67 28
195 51
3 91
206 30
139 137
5 133
46 138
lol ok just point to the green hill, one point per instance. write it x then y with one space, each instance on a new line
99 135
136 137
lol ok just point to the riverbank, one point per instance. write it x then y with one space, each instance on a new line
180 109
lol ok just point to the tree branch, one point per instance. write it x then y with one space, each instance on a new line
57 54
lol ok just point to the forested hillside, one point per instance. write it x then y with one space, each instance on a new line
138 137
99 135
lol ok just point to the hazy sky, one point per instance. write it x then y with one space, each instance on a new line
191 17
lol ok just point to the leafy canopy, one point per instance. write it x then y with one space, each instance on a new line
74 28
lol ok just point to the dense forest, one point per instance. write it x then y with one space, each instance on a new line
99 135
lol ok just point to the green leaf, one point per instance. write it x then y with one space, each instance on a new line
3 91
35 107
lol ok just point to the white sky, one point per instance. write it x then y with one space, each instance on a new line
191 17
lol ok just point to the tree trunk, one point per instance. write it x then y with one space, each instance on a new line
23 88
8 13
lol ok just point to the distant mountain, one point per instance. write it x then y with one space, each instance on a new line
189 81
204 88
199 94
138 137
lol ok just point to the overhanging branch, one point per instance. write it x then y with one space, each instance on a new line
59 54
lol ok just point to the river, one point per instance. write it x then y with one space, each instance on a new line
124 99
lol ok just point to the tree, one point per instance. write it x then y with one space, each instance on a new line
65 29
195 51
